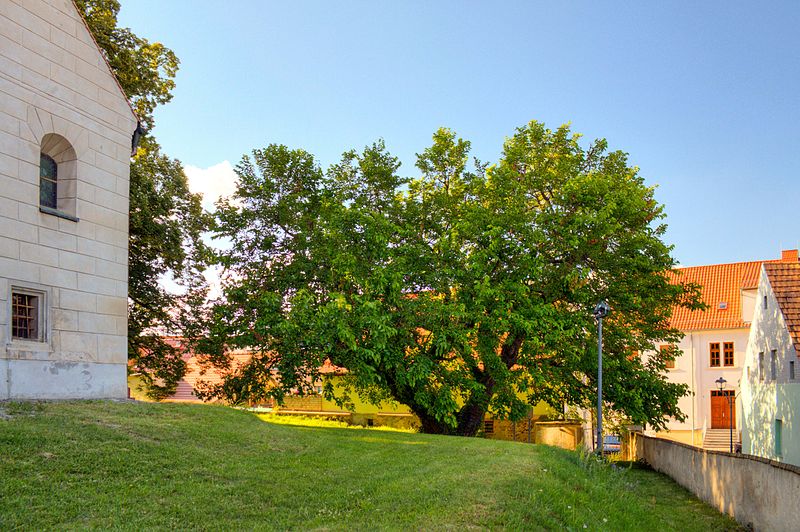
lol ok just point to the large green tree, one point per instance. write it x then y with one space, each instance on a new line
166 219
457 292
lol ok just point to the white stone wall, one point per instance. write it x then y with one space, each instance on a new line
765 401
53 80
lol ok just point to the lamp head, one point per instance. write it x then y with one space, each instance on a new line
721 383
601 310
136 137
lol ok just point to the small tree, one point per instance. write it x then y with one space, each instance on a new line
459 291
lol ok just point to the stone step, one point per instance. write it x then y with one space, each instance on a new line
720 439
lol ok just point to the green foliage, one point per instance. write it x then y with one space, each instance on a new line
166 219
458 291
145 70
139 466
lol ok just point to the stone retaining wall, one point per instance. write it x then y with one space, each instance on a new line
757 492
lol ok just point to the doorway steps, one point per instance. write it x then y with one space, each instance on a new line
720 439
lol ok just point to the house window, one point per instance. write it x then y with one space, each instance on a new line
669 355
761 366
488 426
714 349
728 353
765 301
773 365
27 315
58 177
48 182
778 437
791 369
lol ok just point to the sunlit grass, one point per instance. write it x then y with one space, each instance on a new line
321 422
136 466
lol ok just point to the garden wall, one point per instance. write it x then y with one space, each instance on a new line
755 491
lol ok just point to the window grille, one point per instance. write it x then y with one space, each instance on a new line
25 316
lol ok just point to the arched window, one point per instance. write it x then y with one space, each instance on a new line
58 183
48 182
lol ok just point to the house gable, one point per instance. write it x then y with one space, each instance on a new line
65 144
784 278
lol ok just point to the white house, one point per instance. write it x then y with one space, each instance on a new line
770 383
714 346
65 144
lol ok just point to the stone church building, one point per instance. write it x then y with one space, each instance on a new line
65 146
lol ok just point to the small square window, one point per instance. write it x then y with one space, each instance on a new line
27 315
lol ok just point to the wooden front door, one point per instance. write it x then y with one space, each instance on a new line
723 414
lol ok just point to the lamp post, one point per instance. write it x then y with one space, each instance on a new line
600 311
721 382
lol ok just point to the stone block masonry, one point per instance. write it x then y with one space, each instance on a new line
68 265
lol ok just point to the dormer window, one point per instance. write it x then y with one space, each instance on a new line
48 182
723 305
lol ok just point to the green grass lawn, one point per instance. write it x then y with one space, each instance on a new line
151 466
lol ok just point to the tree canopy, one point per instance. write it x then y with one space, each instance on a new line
466 289
166 219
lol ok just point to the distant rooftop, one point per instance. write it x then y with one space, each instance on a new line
722 285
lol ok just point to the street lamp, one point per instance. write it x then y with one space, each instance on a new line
600 311
721 386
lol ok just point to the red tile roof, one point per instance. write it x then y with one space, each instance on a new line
784 278
721 287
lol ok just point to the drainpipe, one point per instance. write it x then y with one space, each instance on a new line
694 395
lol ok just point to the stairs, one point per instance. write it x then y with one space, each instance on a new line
720 440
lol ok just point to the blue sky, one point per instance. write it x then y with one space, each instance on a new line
705 97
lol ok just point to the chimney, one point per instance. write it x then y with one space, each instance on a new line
789 255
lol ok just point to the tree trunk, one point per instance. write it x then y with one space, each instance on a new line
470 419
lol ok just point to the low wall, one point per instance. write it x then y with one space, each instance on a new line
755 491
